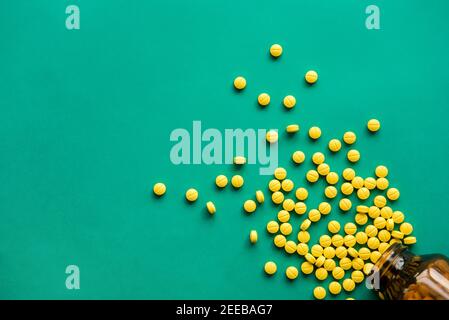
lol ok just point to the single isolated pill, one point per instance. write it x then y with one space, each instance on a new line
334 287
291 273
346 188
349 137
333 226
260 196
305 225
319 293
373 125
211 207
393 194
318 158
345 204
292 128
311 76
159 189
353 155
270 268
406 228
324 208
221 181
276 50
239 160
312 176
272 136
191 195
314 133
253 236
409 240
334 145
363 193
250 206
240 83
288 205
298 157
283 216
263 99
348 285
237 181
289 101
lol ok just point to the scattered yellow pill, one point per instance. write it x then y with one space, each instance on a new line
345 263
382 183
270 268
260 196
337 240
333 226
280 173
409 240
361 218
314 133
370 183
346 188
305 225
323 169
312 176
274 185
239 160
367 268
380 201
381 171
406 228
334 145
329 253
292 128
272 227
314 215
253 236
345 204
386 212
348 285
237 181
272 136
348 174
263 99
277 197
338 272
250 206
288 204
311 76
352 252
210 206
325 241
306 267
316 250
298 157
332 178
357 276
398 217
380 222
350 228
373 212
319 293
290 247
286 229
393 194
390 224
375 256
353 155
373 243
318 158
349 240
221 181
371 231
289 101
357 182
287 185
291 273
362 209
349 137
280 240
361 237
302 248
321 274
334 287
320 261
191 195
300 207
383 247
310 258
384 236
330 192
159 189
276 50
240 83
364 253
283 216
324 208
373 125
341 252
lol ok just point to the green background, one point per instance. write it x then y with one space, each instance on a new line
86 117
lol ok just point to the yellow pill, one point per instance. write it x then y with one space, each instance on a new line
338 272
303 236
333 226
332 178
286 229
253 236
270 268
341 252
310 258
353 155
237 181
314 215
346 188
409 240
361 237
274 185
337 240
277 197
302 248
320 261
311 76
380 201
249 206
272 227
357 182
334 145
362 209
291 273
384 236
386 212
370 183
240 83
381 171
373 243
349 240
371 231
406 228
348 174
312 176
380 222
393 241
300 208
382 183
398 217
375 256
345 263
292 128
283 216
305 225
363 193
321 274
383 247
280 241
361 218
390 224
239 160
323 169
318 158
373 125
325 241
357 276
263 99
288 204
316 250
287 185
272 136
329 253
289 101
159 189
330 192
276 50
221 181
350 228
324 208
314 133
334 287
290 247
191 195
210 206
364 253
298 157
367 268
307 267
319 293
373 212
357 264
345 204
352 252
349 137
259 196
393 194
280 173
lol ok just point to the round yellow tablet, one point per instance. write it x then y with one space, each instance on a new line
361 218
341 252
274 185
310 258
316 250
319 293
381 171
371 231
406 228
320 261
333 226
334 145
240 160
357 276
346 188
357 182
277 197
240 83
345 204
382 183
380 222
409 240
280 240
353 252
253 236
321 274
302 248
345 263
237 181
301 194
287 185
300 207
272 136
191 195
250 206
280 173
329 253
289 101
349 137
292 128
334 287
373 243
361 237
272 227
276 50
324 208
305 225
349 240
323 169
363 193
373 125
370 183
312 176
325 241
290 247
270 268
263 99
353 155
314 215
303 236
314 133
286 229
332 178
291 273
364 253
288 204
318 158
350 228
159 189
367 268
338 272
283 216
384 236
393 194
311 76
348 285
386 212
337 240
260 196
210 206
330 192
373 212
383 247
398 217
375 256
221 181
390 224
306 267
380 201
348 174
298 157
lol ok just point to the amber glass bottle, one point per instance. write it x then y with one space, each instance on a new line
401 275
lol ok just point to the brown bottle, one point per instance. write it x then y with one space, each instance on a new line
401 275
